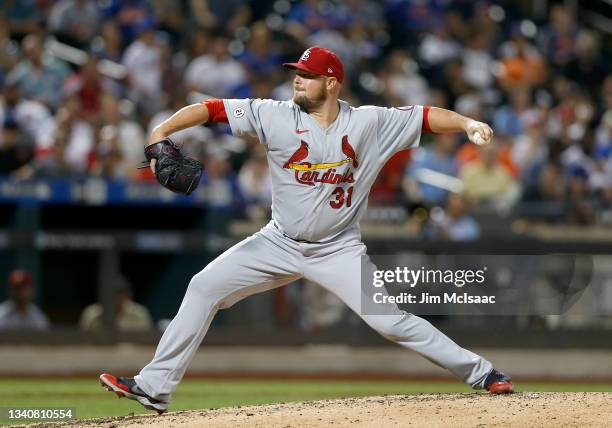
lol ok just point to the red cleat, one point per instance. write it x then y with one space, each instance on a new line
127 387
498 383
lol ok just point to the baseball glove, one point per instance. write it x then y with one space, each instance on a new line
174 171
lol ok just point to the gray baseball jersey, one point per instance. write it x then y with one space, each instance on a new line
320 182
321 178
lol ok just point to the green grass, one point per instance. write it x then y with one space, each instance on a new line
91 400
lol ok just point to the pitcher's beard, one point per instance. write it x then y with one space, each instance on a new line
309 104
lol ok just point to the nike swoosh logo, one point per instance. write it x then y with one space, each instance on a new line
301 131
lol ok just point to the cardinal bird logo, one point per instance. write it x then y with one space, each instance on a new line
309 174
348 150
299 155
295 161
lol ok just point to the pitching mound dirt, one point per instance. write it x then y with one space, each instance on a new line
550 409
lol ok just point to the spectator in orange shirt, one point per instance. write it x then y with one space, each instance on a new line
522 63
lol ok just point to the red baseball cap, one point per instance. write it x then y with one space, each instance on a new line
19 277
321 61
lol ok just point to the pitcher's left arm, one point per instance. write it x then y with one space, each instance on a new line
440 121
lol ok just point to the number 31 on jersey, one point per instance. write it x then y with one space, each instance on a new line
339 193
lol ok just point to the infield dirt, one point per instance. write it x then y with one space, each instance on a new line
527 409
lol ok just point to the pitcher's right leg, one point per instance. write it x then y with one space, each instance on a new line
251 266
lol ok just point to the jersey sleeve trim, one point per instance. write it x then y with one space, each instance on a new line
426 128
216 111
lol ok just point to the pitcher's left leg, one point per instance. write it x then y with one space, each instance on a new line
340 273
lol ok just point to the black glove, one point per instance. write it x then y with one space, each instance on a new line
173 170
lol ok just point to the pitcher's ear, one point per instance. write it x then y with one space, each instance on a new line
332 82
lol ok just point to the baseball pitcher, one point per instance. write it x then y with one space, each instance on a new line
324 156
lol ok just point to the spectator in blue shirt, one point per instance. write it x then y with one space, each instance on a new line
261 55
437 157
129 14
39 77
507 120
455 224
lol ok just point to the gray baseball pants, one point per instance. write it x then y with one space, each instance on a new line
268 259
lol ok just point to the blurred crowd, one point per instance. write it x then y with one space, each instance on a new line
84 81
20 311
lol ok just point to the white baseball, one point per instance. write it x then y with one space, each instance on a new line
479 139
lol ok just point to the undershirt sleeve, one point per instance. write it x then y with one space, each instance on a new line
216 111
426 128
